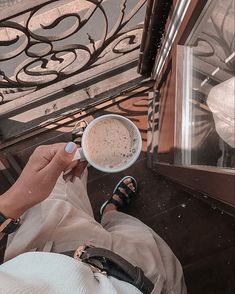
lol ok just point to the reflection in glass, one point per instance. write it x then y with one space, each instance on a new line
210 99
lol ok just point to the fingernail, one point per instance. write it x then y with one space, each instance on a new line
69 148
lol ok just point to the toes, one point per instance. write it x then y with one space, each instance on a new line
116 197
123 191
129 183
131 186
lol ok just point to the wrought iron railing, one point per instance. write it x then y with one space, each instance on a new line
55 40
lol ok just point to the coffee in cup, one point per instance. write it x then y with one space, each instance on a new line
111 143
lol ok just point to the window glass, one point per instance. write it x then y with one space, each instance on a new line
208 111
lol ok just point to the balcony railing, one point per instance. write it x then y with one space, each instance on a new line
49 49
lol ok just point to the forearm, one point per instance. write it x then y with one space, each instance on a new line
11 208
35 183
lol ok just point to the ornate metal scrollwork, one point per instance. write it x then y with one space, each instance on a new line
49 43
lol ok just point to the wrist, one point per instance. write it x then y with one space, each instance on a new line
11 205
8 225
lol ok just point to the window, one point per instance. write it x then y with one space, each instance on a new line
205 128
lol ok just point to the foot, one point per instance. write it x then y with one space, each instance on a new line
123 193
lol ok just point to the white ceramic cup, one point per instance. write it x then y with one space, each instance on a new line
82 153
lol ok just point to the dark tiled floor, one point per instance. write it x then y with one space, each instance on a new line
213 274
201 236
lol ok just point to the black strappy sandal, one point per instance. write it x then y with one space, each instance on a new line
125 199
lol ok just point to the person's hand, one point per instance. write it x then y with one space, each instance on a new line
74 172
38 178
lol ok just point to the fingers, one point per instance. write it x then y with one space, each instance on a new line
70 167
76 171
61 156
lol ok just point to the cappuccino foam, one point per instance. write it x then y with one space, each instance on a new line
111 143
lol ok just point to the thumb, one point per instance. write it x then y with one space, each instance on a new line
64 155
